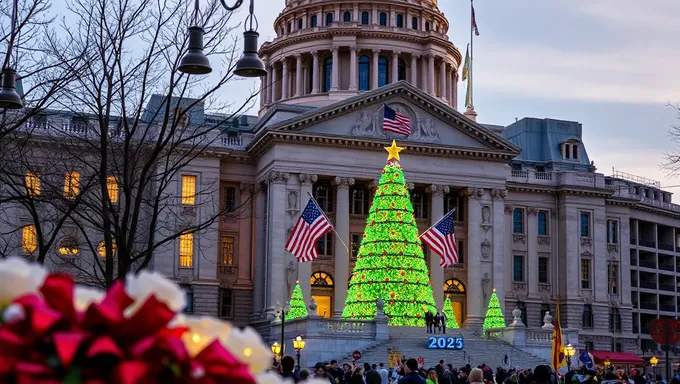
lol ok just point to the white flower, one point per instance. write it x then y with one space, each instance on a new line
202 331
84 296
141 286
13 313
19 277
247 346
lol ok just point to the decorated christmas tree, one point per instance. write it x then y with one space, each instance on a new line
494 315
390 264
450 316
297 304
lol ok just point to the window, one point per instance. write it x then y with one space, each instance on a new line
32 184
585 224
400 21
613 277
327 73
359 196
414 23
68 246
71 184
542 223
186 250
329 18
383 19
420 204
226 299
522 307
543 270
585 274
290 27
427 26
544 308
230 199
517 221
29 239
614 320
325 244
453 286
101 248
112 188
312 21
574 151
587 320
461 252
383 73
188 190
364 73
453 200
518 268
321 279
401 69
323 194
355 244
299 24
364 18
346 17
612 232
227 257
189 293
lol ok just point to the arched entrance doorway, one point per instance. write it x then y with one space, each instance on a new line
455 291
322 292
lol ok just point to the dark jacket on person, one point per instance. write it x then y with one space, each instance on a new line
373 377
412 378
290 375
356 379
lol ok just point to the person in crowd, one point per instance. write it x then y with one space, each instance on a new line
335 372
437 323
411 375
304 375
371 375
476 376
288 368
542 375
462 375
432 377
384 374
347 372
443 323
322 374
357 376
428 321
500 375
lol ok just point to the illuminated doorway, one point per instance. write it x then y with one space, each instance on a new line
322 292
455 291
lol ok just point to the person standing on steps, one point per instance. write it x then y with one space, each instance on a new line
384 375
443 323
437 322
428 321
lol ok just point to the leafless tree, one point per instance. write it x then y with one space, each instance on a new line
672 158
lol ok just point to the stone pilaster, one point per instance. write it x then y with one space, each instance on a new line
342 231
532 251
305 269
414 69
475 305
277 226
298 75
436 271
315 72
260 247
353 68
245 236
442 81
395 67
335 72
430 74
274 95
499 271
284 79
374 69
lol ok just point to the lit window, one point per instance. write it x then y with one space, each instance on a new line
112 186
29 239
72 184
227 251
454 286
585 273
32 184
101 248
188 190
186 250
613 277
321 279
68 246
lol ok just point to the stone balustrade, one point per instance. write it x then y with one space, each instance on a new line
537 341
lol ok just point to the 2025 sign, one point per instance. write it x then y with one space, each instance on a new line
441 342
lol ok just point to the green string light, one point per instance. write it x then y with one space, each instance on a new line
297 304
450 316
494 315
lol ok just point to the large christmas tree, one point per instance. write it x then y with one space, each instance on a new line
450 316
390 264
297 304
494 315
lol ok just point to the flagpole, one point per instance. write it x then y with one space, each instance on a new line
438 221
472 27
329 222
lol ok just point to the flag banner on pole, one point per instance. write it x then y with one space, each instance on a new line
396 122
442 240
587 359
557 343
474 21
466 64
311 225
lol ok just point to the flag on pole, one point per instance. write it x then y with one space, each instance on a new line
442 240
474 20
466 64
557 343
466 77
587 359
396 122
311 225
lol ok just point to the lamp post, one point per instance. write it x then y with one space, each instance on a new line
276 349
299 345
653 361
569 351
283 311
9 98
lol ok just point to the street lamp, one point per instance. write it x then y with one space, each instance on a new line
569 351
276 349
283 311
653 361
9 98
299 345
607 362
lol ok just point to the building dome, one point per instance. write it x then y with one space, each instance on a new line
328 50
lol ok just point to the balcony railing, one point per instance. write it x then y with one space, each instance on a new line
647 243
648 284
232 141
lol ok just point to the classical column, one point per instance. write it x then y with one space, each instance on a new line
449 84
442 80
430 74
395 67
245 237
277 227
423 73
531 237
414 69
374 69
305 269
475 304
260 247
499 239
355 13
436 271
284 79
335 81
342 230
353 68
274 84
298 75
455 91
315 72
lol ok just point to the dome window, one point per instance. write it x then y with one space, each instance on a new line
312 21
400 21
364 18
414 23
329 18
383 19
346 17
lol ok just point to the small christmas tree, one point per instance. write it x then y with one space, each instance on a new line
494 315
298 309
450 316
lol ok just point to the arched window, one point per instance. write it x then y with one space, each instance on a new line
518 221
323 194
401 69
312 21
383 19
414 23
329 18
364 73
327 73
364 18
400 21
453 286
427 26
101 248
383 73
420 203
321 279
299 24
347 17
68 246
290 27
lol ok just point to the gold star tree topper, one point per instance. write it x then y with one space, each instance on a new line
393 151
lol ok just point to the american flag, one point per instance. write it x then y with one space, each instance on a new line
474 20
442 240
396 122
311 225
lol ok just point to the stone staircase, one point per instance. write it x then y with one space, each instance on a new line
412 342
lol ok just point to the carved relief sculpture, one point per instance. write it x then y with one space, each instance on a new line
486 214
486 249
364 126
291 276
486 285
499 194
292 201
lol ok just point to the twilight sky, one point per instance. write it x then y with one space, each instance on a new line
608 64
